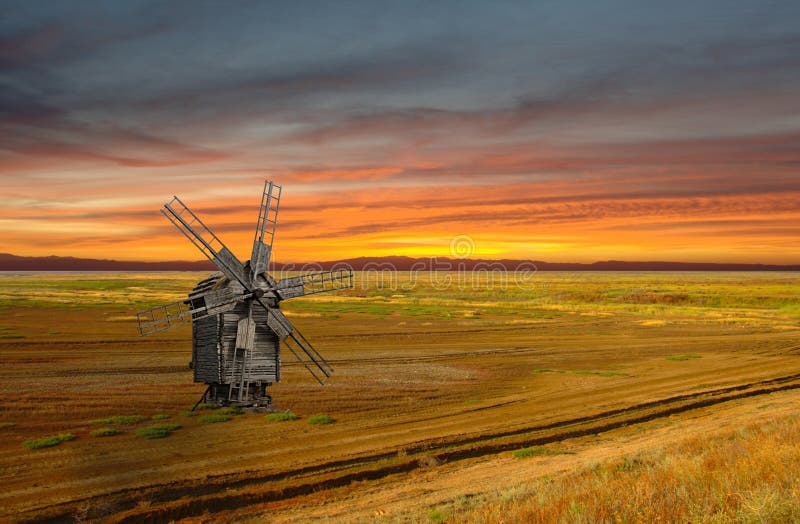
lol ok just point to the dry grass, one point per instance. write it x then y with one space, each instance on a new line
745 476
412 364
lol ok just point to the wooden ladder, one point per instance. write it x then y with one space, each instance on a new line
241 388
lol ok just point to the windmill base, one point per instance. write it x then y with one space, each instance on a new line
253 397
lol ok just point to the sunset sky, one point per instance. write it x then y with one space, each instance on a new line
559 131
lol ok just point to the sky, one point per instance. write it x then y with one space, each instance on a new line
565 131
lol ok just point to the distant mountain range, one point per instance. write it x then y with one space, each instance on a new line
10 262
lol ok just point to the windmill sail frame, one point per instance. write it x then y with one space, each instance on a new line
237 327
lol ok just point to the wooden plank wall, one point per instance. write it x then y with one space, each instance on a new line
205 356
214 339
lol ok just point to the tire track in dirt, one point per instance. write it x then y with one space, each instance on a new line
215 493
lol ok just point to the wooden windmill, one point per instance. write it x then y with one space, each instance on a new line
238 329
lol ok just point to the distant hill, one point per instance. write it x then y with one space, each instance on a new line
423 264
10 262
52 263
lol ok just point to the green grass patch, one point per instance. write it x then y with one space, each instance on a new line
153 433
211 419
159 416
536 451
127 420
233 410
281 417
11 336
189 413
681 358
437 516
48 442
157 431
105 432
321 419
168 427
209 405
7 425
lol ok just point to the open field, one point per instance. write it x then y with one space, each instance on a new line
437 383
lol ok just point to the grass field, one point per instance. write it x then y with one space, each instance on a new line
454 397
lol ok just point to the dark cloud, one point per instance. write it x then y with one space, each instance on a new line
18 107
647 82
123 147
346 88
26 47
53 38
525 114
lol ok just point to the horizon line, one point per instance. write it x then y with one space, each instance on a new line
11 262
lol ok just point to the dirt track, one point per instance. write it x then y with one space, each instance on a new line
186 499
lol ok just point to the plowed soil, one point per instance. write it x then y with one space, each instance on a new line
427 407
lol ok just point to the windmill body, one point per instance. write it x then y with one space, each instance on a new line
238 330
220 363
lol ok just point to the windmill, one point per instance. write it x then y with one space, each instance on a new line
238 329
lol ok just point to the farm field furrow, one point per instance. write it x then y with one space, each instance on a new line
425 378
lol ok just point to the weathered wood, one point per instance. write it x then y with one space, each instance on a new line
245 333
236 343
278 323
226 260
205 357
312 283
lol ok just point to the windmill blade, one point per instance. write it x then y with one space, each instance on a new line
205 240
298 345
265 230
210 302
162 318
312 283
217 300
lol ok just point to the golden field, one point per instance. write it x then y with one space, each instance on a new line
563 396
